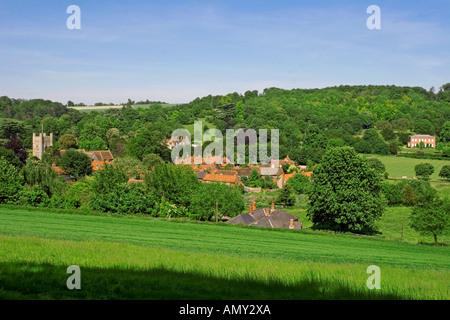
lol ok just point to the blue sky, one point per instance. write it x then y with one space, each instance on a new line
176 51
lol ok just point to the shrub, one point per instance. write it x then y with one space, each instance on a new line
300 184
377 165
393 193
37 173
409 196
76 163
125 199
35 197
363 146
228 200
432 218
424 170
393 147
175 183
285 198
9 156
445 172
11 183
381 148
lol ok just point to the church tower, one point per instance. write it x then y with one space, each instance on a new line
41 142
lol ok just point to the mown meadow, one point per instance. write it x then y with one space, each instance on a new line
398 167
143 258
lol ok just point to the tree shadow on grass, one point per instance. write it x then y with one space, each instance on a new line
25 281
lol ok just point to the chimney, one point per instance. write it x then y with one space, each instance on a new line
251 209
291 226
267 212
254 205
273 205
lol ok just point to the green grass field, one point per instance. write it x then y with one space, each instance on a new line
143 258
397 167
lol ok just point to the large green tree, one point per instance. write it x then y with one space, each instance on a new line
111 193
10 128
67 141
78 164
38 173
174 183
445 132
432 218
211 199
424 126
346 193
149 141
424 170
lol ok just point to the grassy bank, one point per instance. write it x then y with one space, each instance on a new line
222 239
142 258
35 268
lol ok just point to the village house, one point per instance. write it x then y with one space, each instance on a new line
229 180
201 175
267 218
199 161
428 141
98 155
99 159
271 172
97 165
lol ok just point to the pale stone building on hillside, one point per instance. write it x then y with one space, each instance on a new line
40 143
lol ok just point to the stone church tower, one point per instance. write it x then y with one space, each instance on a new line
41 142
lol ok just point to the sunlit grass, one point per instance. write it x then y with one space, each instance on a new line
36 268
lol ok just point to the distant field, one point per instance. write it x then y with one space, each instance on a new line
190 128
397 167
103 108
142 258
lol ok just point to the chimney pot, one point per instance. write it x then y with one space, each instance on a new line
267 211
273 205
291 226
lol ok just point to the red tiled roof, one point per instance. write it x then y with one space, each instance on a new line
221 178
307 173
135 181
287 176
97 165
59 170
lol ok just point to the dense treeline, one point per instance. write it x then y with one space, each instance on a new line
309 120
371 119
